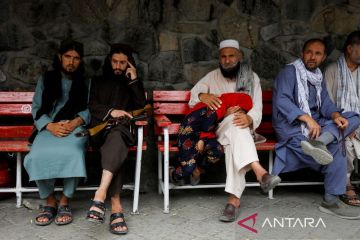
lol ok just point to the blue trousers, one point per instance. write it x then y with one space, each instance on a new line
290 157
47 186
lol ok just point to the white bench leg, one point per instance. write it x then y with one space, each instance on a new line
138 171
160 179
166 170
18 180
271 162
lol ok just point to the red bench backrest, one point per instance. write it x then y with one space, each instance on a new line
176 103
15 104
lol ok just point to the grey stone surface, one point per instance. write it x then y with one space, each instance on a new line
2 76
32 29
195 50
193 216
166 67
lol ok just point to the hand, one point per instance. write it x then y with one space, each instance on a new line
131 72
211 100
119 113
233 109
242 120
58 129
341 122
71 125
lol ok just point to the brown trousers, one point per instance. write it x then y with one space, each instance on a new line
114 150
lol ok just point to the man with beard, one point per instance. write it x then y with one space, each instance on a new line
235 131
112 95
343 83
310 128
59 109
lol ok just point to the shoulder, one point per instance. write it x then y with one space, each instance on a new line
331 68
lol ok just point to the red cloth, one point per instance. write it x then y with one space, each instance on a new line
242 100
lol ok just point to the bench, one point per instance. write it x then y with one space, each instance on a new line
170 104
16 107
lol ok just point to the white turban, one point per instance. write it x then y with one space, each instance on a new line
229 43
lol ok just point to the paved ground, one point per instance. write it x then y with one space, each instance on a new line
293 214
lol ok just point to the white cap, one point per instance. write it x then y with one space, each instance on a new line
229 43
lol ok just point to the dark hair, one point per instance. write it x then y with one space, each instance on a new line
352 39
117 48
314 40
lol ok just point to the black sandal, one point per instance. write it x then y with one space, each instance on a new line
118 224
99 216
349 199
63 210
46 211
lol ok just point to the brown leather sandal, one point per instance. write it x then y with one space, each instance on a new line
350 199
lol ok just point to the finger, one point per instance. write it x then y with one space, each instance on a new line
128 114
213 106
132 66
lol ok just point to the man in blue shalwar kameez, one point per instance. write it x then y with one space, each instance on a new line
59 110
310 128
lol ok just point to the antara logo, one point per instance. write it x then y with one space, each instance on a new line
282 222
253 217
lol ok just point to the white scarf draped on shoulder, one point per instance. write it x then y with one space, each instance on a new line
347 92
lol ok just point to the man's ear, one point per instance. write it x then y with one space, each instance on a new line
59 55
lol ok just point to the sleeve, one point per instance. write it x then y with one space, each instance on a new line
85 114
331 81
97 109
327 105
138 94
40 123
200 87
284 94
256 111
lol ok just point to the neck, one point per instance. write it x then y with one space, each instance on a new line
350 64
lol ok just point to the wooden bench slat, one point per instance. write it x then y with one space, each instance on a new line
15 131
171 96
14 97
171 108
15 109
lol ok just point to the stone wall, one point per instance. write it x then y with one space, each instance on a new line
176 40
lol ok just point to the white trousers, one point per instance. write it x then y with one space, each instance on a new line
240 151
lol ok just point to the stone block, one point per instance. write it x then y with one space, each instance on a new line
168 41
194 72
195 50
267 62
270 31
235 26
94 47
166 67
14 37
2 76
27 69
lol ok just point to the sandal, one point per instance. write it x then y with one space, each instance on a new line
195 180
99 216
122 223
350 199
63 210
172 178
46 211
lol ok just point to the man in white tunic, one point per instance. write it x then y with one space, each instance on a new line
235 131
343 83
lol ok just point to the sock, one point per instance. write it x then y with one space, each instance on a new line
326 138
329 197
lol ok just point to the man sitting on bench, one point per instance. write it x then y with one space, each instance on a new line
310 128
235 131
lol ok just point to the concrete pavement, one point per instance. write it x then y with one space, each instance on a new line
293 214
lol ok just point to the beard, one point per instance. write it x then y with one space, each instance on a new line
230 72
69 70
